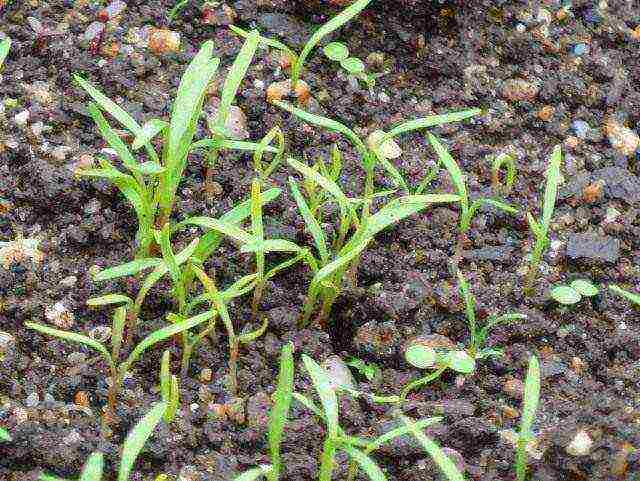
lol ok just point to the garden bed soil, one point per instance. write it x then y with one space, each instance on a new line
543 76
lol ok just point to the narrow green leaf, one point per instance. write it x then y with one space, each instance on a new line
165 376
431 121
270 245
332 25
254 473
49 477
162 334
280 411
551 189
367 464
236 73
173 401
4 435
119 320
128 269
149 168
113 139
500 205
330 186
109 299
71 336
630 296
148 131
137 438
530 405
452 166
230 144
5 46
534 226
109 106
443 461
249 337
93 467
399 431
326 393
312 224
326 123
345 257
223 227
270 42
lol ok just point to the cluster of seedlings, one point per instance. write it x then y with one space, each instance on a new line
198 301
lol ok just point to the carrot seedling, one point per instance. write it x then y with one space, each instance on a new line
478 336
119 369
530 405
574 292
339 52
540 228
468 208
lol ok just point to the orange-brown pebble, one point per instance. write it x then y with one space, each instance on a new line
571 142
164 41
81 399
577 364
280 90
110 50
593 192
546 113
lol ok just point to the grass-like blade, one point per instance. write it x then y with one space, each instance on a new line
270 42
4 435
270 245
128 269
326 393
327 184
111 137
551 189
137 438
630 296
223 227
109 299
399 431
109 106
231 144
117 330
165 376
349 252
49 477
162 334
280 411
326 123
426 122
530 405
164 241
332 25
71 336
367 464
254 473
5 46
249 337
312 224
448 467
93 468
452 166
236 73
148 131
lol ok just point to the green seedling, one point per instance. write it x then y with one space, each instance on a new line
530 405
334 262
508 161
136 439
444 462
478 335
339 52
119 369
277 420
329 27
5 46
468 208
4 435
630 296
574 292
427 356
176 9
151 186
335 437
369 370
540 228
218 302
169 388
221 138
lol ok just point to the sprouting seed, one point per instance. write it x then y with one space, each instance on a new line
353 65
336 51
574 292
530 405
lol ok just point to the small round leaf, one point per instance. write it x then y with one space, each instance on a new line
352 65
460 362
420 356
585 288
565 295
336 51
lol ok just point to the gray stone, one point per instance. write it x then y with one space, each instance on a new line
594 247
284 26
619 184
491 253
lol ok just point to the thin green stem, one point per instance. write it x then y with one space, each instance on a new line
420 382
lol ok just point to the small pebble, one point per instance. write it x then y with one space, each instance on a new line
206 375
164 41
580 445
581 128
59 315
623 139
519 89
32 400
21 118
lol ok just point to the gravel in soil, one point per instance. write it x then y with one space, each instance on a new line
543 72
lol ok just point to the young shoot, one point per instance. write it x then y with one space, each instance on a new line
540 228
136 439
468 208
5 46
478 335
298 61
4 435
629 296
169 388
112 357
508 161
530 405
574 292
339 52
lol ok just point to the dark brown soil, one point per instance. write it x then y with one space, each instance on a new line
584 67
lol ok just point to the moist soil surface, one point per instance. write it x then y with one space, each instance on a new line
544 73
